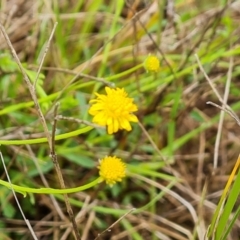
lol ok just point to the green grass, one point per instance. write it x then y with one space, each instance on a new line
106 41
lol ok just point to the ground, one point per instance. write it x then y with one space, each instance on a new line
179 156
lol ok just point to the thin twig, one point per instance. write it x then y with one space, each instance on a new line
110 227
85 209
16 199
36 162
157 150
152 142
225 110
208 79
60 176
80 75
221 119
60 117
44 55
213 87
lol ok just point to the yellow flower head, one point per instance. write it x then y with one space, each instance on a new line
114 110
152 64
112 170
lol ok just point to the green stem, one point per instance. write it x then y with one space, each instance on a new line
122 74
24 190
42 140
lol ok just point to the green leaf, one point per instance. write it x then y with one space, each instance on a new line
45 167
8 210
7 64
231 223
197 116
231 201
83 161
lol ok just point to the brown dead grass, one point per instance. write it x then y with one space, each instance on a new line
193 162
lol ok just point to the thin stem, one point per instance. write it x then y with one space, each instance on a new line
11 186
220 124
24 190
225 110
43 140
115 223
44 55
60 176
60 117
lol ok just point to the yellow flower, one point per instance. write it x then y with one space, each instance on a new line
152 64
112 170
113 110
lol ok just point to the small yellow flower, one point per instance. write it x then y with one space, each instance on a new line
114 110
152 64
112 170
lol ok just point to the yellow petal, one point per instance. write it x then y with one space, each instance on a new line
108 90
100 119
132 118
110 129
115 125
109 124
125 124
